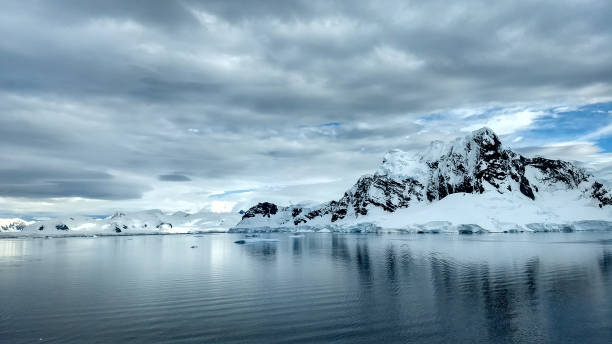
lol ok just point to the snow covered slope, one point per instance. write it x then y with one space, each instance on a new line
145 222
473 181
13 224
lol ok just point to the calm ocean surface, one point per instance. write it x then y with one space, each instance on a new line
341 288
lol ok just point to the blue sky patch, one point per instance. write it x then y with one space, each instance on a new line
605 144
557 126
230 192
573 125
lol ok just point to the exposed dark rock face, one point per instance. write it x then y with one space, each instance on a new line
296 212
265 209
471 165
61 227
559 171
117 229
601 194
483 160
15 225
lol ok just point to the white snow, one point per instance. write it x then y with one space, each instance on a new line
13 224
553 210
492 211
144 222
503 208
401 164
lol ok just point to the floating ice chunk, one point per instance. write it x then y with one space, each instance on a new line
264 229
470 229
254 241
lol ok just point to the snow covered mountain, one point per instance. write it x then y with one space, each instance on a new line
143 222
473 183
13 224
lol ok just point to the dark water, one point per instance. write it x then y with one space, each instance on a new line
344 288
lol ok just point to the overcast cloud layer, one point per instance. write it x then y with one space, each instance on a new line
219 104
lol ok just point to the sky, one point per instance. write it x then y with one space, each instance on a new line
218 105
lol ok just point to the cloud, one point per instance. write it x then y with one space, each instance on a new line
41 182
173 178
599 133
576 150
91 189
508 123
222 206
246 95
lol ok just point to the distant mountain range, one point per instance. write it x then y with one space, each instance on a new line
472 184
473 181
142 222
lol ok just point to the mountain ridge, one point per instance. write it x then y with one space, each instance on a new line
473 164
152 221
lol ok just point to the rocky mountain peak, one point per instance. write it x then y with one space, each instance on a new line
265 209
473 164
482 144
485 135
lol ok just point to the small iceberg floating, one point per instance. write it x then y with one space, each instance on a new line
253 241
296 236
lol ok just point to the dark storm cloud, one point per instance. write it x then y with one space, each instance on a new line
154 12
86 189
384 59
236 91
38 173
43 182
173 178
